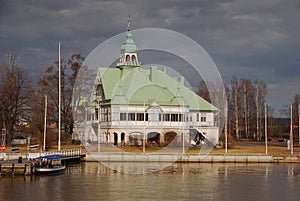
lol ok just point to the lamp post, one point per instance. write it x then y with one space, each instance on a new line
98 116
144 136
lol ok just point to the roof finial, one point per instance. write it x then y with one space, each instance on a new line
128 25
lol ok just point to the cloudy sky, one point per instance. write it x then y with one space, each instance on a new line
256 39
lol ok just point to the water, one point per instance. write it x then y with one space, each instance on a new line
92 181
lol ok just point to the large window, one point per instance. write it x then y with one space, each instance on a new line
153 113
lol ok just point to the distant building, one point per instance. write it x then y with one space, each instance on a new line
19 140
130 102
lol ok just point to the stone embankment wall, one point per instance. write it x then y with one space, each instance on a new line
189 158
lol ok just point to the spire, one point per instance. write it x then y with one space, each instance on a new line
128 55
128 25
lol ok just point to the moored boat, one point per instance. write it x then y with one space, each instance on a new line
50 164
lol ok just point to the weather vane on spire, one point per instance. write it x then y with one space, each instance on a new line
128 25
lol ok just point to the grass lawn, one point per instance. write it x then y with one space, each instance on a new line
238 149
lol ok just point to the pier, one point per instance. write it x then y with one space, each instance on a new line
15 168
24 163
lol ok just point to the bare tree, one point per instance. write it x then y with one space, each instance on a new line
260 92
203 91
246 85
15 91
235 91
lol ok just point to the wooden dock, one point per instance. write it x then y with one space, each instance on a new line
13 168
10 165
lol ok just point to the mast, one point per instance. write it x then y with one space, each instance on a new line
59 97
45 122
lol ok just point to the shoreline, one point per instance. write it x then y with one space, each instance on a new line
238 155
188 158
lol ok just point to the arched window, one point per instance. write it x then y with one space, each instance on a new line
133 59
127 58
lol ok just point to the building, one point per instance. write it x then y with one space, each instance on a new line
130 104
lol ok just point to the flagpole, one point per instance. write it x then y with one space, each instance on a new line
226 119
299 126
266 129
291 131
59 97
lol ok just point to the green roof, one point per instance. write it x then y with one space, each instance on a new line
137 86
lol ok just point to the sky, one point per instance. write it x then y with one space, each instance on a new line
256 39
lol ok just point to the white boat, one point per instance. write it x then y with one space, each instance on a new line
46 165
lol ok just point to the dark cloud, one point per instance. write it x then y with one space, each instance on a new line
255 39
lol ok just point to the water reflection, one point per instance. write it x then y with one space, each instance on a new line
194 181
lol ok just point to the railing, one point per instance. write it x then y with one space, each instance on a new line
67 153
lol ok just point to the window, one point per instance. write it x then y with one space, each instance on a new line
174 117
147 116
116 116
96 114
203 119
104 114
133 59
198 116
153 113
123 117
166 117
140 116
181 117
131 116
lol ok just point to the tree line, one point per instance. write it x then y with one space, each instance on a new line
246 109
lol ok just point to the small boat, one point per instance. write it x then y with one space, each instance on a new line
50 164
